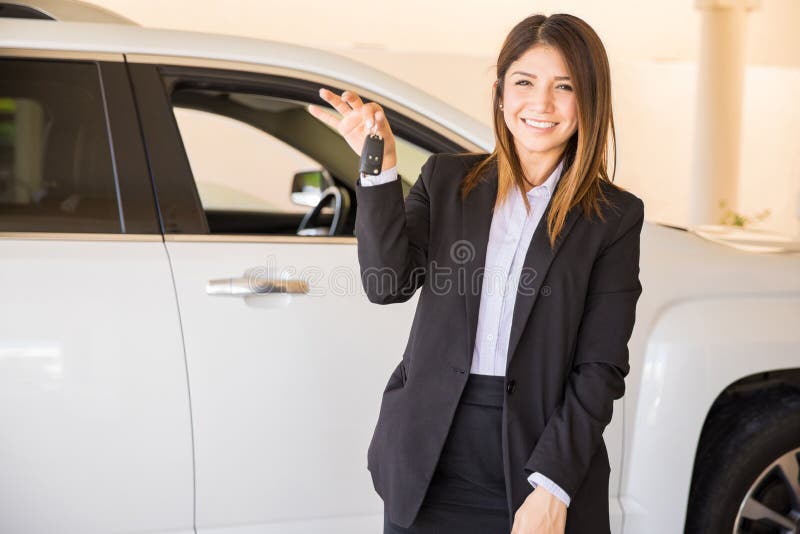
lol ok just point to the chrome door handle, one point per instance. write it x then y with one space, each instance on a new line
256 285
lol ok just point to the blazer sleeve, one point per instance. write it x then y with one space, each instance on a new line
574 431
393 237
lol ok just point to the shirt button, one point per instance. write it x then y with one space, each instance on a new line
511 386
490 337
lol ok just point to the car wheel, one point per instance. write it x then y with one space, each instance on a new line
747 471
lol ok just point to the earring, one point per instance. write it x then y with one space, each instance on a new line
501 106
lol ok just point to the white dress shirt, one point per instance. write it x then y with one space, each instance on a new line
510 235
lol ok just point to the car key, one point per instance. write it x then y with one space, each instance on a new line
372 155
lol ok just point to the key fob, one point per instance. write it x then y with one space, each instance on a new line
372 155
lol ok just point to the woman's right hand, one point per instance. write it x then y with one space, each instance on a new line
357 122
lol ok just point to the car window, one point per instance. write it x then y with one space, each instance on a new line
237 166
245 149
410 159
56 171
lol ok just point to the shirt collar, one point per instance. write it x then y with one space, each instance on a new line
548 186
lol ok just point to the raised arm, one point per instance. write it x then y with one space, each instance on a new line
392 234
393 237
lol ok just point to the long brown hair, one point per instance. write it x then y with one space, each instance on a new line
585 156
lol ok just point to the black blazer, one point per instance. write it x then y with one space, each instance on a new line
567 355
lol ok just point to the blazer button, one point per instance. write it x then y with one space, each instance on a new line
511 386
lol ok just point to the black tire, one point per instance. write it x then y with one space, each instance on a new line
740 440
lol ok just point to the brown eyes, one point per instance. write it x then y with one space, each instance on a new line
565 86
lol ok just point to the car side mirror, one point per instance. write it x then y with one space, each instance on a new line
307 187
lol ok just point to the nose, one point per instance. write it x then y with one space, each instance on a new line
541 99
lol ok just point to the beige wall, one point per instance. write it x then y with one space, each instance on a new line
652 47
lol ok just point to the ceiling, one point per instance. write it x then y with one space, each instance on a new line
657 30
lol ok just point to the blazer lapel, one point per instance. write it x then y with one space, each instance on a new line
534 270
476 214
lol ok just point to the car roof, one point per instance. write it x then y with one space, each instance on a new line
63 10
128 39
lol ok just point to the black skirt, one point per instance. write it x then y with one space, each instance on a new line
467 493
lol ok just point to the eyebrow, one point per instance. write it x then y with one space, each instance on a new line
534 76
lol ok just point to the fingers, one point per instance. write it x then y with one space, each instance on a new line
374 117
334 100
353 100
343 104
380 120
324 116
357 118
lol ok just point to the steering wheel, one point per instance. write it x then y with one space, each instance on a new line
341 209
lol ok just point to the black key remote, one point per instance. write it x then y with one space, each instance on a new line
372 155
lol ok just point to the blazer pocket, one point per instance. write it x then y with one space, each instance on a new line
388 413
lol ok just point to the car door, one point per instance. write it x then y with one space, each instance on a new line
285 386
94 407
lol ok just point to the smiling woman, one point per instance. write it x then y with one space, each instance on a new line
546 68
457 451
540 109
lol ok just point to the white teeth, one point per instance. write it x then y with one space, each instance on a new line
539 124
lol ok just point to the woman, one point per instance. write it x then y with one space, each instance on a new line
493 420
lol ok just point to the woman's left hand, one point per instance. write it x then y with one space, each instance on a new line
541 513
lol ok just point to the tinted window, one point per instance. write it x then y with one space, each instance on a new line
56 171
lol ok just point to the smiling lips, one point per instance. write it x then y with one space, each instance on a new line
537 125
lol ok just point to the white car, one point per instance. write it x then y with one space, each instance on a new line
184 341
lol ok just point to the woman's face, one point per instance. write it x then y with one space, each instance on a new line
537 88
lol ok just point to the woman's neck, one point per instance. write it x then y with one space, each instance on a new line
539 167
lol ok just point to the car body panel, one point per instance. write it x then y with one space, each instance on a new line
285 387
94 403
696 349
709 315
